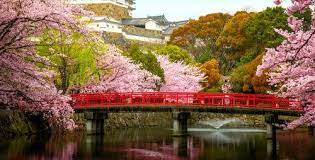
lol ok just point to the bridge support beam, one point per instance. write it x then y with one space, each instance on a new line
180 123
95 122
270 120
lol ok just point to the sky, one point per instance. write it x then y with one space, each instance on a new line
176 10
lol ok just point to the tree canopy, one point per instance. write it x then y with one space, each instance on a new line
175 53
147 60
22 83
73 57
199 36
211 71
291 65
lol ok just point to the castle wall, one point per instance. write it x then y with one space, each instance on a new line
109 10
152 25
106 27
142 38
121 3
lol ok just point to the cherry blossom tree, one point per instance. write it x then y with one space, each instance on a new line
180 77
121 75
22 83
291 65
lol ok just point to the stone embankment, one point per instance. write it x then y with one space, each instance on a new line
14 123
145 120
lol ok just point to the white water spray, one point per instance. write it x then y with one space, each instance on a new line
218 123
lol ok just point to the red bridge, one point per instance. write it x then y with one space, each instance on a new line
97 106
184 101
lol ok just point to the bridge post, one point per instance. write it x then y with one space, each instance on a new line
272 148
311 130
95 122
270 119
180 146
180 123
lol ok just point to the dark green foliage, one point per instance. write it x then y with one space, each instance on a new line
147 61
238 76
307 17
249 56
260 29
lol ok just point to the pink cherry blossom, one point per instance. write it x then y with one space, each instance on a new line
122 75
180 77
277 2
22 84
292 64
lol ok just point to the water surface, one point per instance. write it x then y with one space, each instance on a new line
156 144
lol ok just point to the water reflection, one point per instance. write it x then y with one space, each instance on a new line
142 144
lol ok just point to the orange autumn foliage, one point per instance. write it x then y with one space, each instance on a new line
233 35
211 71
204 30
244 78
259 83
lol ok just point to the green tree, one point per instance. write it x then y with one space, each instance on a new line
147 60
72 57
175 53
260 28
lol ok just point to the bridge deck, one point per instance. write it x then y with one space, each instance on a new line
193 102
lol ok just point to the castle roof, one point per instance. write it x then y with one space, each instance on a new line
160 19
134 21
106 19
141 21
173 26
131 1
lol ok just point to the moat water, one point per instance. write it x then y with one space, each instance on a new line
159 144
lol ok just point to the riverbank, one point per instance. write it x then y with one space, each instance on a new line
14 123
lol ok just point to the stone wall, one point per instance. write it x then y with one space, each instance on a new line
14 123
164 120
142 32
143 120
138 120
121 42
117 39
109 10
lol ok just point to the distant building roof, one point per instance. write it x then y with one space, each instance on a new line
131 1
178 23
169 30
160 19
134 21
106 19
141 21
172 26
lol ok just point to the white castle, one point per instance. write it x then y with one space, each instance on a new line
153 29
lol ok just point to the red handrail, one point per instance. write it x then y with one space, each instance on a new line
178 99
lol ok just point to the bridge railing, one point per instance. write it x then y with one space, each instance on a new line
201 99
